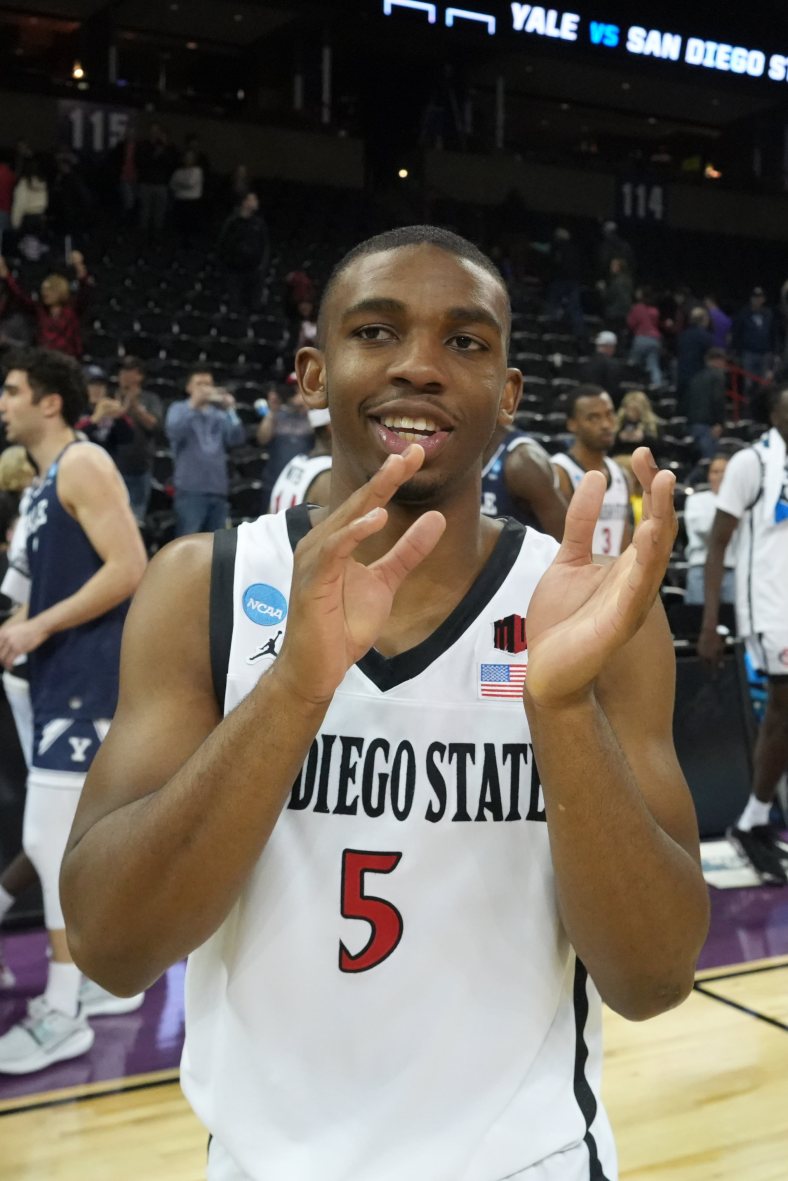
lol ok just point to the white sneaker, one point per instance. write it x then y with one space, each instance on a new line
7 977
95 1001
43 1037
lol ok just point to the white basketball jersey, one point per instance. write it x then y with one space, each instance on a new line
294 481
615 511
393 995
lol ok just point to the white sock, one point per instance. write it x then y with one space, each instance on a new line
754 814
6 902
62 990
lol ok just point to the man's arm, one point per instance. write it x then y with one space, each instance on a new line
564 483
148 419
710 645
599 699
319 490
623 833
178 423
15 290
233 431
177 809
530 483
91 489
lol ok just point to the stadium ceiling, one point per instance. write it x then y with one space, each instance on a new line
228 22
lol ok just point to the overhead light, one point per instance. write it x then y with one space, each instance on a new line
626 86
565 107
712 173
77 72
403 174
241 95
238 17
652 120
174 7
191 44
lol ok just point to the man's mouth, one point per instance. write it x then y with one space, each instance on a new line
414 430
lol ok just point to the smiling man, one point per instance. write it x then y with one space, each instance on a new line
402 892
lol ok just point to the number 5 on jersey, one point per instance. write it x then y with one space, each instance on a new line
383 917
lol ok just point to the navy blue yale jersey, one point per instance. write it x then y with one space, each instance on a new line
496 500
74 674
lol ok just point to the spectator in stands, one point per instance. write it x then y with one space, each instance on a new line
307 332
643 323
31 199
123 158
200 430
299 288
617 295
604 368
187 185
613 246
693 345
752 337
155 160
240 185
284 433
243 250
105 423
563 291
7 182
704 402
57 313
637 424
720 324
753 499
146 414
307 478
16 329
70 203
699 511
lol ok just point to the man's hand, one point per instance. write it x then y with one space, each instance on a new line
77 261
711 646
4 271
106 408
582 613
338 607
17 639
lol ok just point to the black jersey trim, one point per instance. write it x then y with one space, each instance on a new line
387 672
220 611
586 1100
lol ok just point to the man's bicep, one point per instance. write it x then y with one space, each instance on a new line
99 500
167 706
637 693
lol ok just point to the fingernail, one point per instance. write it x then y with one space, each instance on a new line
652 462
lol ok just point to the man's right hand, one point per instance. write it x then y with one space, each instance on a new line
711 646
338 606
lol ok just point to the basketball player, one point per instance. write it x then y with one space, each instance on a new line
85 558
592 420
518 481
394 917
307 478
753 499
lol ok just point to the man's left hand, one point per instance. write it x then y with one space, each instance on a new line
17 639
581 612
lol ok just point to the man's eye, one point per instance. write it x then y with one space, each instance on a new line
467 344
372 332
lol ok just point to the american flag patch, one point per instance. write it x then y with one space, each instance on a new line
502 680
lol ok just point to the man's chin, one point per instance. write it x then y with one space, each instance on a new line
419 493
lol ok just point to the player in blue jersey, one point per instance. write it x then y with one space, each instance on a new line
395 601
85 559
518 481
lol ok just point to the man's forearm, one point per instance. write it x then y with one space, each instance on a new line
630 897
112 584
712 584
150 882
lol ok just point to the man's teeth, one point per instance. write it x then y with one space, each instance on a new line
406 426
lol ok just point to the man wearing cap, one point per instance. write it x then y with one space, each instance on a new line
753 337
105 423
284 433
146 414
604 369
307 478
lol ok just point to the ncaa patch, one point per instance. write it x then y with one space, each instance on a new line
264 604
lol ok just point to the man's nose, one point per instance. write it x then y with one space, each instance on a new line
420 362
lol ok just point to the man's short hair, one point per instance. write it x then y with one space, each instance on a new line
197 369
773 396
411 236
131 364
587 390
51 372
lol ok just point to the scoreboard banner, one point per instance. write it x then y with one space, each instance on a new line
92 128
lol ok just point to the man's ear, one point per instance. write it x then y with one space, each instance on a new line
310 367
512 393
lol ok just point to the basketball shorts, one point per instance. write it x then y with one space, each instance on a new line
571 1165
769 653
63 750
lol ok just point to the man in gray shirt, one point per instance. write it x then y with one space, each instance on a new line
200 430
135 458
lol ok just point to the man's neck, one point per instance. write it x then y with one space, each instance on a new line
46 450
588 459
494 444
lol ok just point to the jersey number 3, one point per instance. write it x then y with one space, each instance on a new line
384 918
